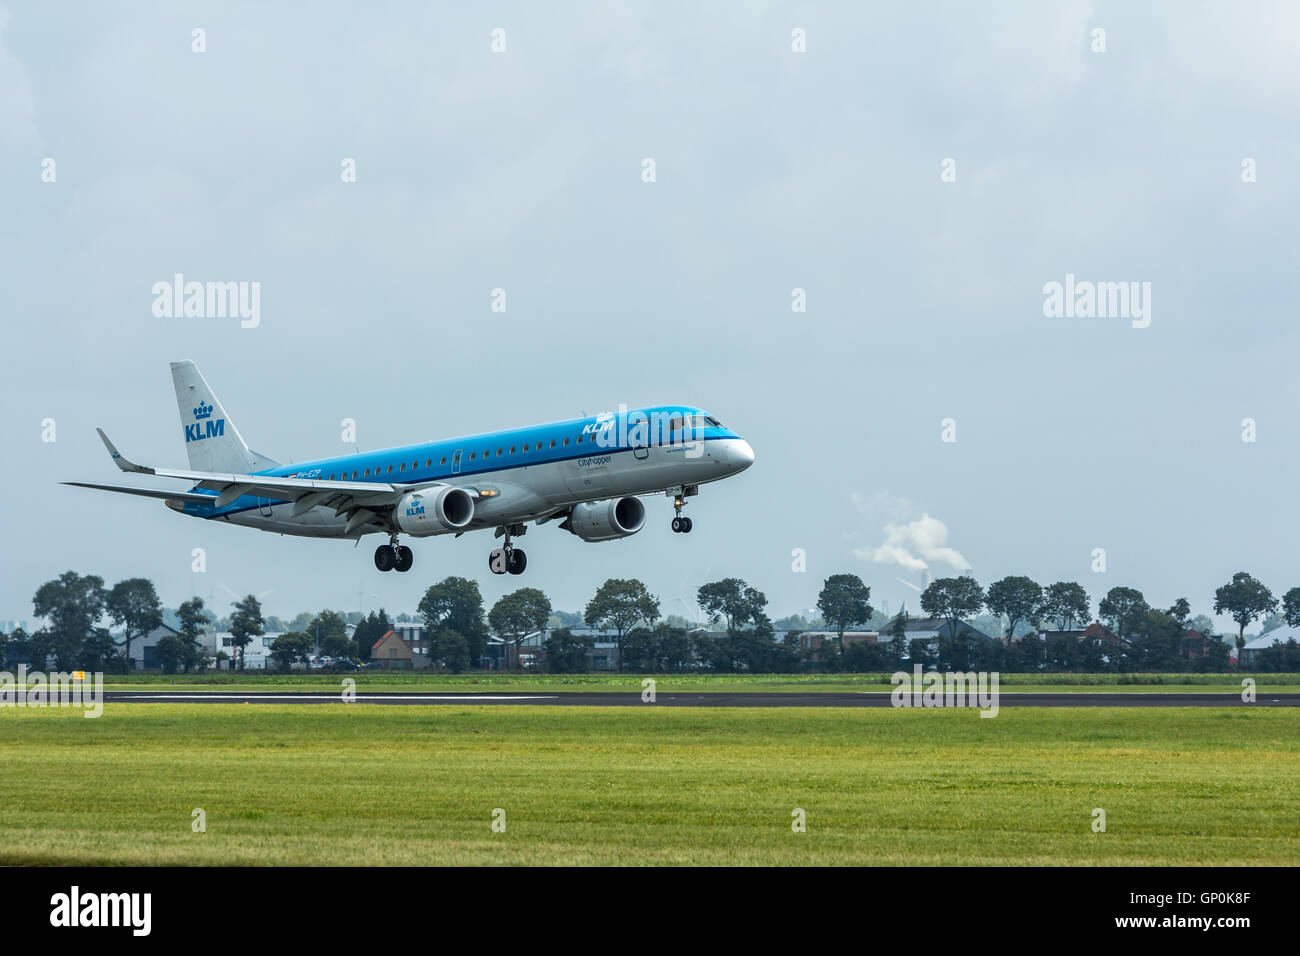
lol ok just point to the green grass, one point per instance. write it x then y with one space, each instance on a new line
368 784
416 682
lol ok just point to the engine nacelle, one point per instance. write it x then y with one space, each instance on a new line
435 511
606 520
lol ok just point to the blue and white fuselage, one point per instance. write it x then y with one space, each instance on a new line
588 473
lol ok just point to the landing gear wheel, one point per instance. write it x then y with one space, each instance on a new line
385 558
517 561
405 558
680 525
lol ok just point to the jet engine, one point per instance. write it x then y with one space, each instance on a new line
606 520
434 511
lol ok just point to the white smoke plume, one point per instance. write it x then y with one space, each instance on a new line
914 544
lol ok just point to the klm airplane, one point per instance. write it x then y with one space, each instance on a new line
587 474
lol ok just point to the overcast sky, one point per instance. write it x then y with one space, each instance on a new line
774 170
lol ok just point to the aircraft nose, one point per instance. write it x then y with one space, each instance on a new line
740 454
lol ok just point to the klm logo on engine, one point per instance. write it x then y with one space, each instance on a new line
204 425
415 509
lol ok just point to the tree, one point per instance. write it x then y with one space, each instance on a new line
1245 599
1123 609
193 620
1157 638
133 605
370 630
517 614
72 604
844 601
1065 604
1291 607
172 651
566 653
1017 597
329 634
621 604
734 600
456 604
290 648
952 599
99 652
245 624
448 649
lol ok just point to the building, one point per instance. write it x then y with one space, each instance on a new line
143 647
1279 635
405 647
1095 634
257 652
811 641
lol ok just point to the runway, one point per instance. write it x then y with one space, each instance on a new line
633 699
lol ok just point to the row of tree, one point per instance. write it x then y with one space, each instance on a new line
75 608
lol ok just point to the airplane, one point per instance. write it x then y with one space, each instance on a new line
586 473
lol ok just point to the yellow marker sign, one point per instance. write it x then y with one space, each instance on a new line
79 675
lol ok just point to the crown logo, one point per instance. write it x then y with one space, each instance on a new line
203 411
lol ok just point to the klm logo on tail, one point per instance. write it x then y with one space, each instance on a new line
204 426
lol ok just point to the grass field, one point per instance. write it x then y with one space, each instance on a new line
414 682
417 785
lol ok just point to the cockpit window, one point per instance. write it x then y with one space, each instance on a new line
677 422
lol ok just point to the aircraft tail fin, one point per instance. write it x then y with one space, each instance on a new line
211 439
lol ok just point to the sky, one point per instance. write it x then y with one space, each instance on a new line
923 172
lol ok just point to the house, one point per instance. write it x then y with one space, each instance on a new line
403 648
811 641
257 652
1195 644
928 629
1095 634
1279 635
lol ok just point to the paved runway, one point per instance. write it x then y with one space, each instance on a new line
633 699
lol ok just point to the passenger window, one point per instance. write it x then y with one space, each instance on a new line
512 449
566 443
579 439
401 467
366 473
552 442
499 452
525 448
354 476
389 471
442 460
471 455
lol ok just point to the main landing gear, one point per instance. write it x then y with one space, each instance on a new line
508 559
394 556
680 525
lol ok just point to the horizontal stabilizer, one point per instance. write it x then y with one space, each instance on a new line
146 492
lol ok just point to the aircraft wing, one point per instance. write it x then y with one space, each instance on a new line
306 493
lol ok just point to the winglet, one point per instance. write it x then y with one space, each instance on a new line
123 463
